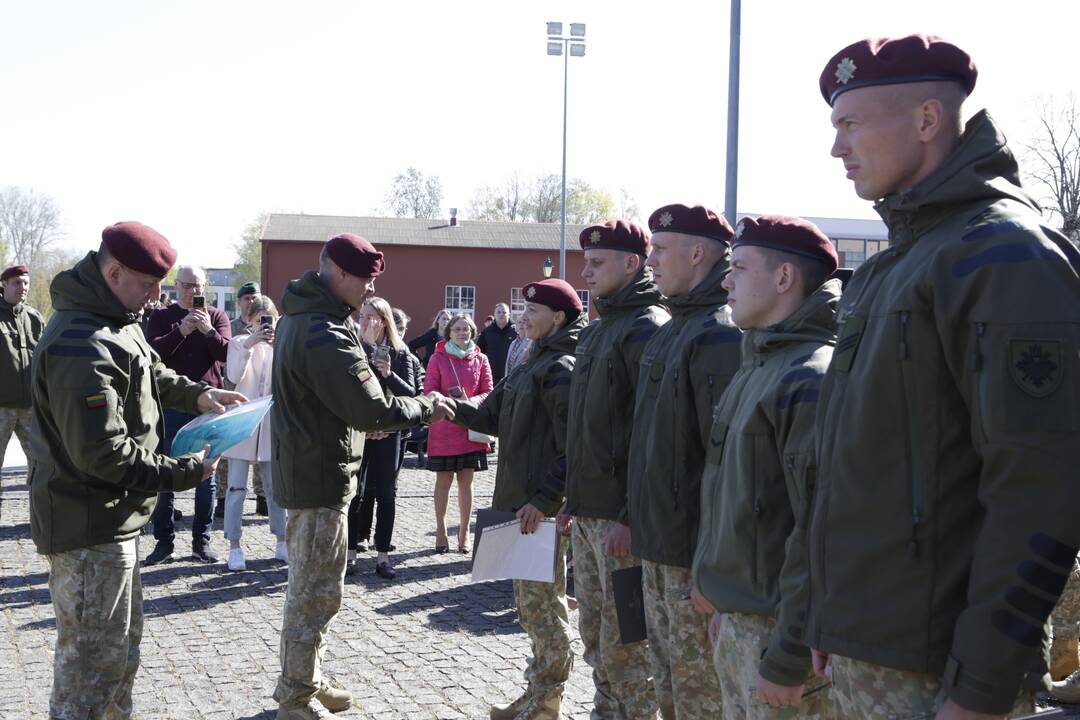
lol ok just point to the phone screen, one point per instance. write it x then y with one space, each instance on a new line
266 320
199 301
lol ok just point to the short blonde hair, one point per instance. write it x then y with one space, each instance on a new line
473 332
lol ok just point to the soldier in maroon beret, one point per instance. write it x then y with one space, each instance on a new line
683 370
924 537
601 419
326 397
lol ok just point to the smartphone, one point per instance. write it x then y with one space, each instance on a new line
382 353
198 302
266 319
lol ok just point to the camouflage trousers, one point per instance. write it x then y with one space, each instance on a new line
316 538
737 657
221 478
1065 621
14 420
97 599
686 684
624 690
543 615
864 691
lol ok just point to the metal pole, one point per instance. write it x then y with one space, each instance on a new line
731 181
562 228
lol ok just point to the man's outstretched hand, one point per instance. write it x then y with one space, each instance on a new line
215 400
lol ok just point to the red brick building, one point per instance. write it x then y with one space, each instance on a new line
431 265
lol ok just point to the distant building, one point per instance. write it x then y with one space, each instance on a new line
220 289
471 266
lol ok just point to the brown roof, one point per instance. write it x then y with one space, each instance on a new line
410 231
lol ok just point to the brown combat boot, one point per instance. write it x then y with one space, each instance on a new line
310 710
511 710
1067 690
544 706
1064 658
333 696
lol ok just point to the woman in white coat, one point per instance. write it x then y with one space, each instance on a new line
251 356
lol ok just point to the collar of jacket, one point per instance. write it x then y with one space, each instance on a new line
708 293
813 321
83 289
563 341
309 294
980 169
7 307
641 292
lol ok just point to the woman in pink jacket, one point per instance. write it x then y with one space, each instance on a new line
251 355
458 369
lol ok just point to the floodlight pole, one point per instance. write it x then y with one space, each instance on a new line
565 99
731 181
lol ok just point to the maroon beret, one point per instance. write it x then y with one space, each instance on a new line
616 235
15 271
787 234
556 294
355 255
139 247
697 220
892 61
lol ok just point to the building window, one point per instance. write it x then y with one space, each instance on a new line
584 296
461 299
517 302
230 306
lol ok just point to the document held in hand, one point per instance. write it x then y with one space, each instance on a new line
504 553
221 431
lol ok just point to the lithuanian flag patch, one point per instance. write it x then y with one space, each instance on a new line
360 371
95 401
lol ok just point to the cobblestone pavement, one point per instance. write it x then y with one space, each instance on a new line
430 644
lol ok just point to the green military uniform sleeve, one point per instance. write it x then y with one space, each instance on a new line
177 391
343 381
1006 316
484 416
713 362
786 660
85 397
555 401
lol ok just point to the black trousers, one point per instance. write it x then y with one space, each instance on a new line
377 486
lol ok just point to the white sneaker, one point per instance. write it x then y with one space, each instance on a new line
236 559
282 552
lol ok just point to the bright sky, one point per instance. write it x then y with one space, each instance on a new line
195 116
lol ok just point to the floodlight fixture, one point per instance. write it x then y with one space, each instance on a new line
554 48
554 28
577 49
577 30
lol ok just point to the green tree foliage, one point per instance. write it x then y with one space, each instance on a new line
248 265
540 200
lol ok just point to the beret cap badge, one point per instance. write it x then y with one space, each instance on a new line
594 237
531 292
666 219
845 70
739 230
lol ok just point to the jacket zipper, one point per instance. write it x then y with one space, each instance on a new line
980 333
917 489
675 477
611 429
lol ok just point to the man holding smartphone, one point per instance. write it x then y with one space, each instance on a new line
192 339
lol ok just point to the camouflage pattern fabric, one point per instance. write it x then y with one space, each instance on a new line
14 420
542 613
737 657
624 690
1065 622
316 539
864 691
97 599
686 684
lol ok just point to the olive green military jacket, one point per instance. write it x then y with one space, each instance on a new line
20 330
601 413
948 449
684 370
325 397
98 390
755 492
528 410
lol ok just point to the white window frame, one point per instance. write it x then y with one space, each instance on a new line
583 295
460 299
517 302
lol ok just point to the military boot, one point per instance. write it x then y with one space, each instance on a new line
310 710
1067 690
333 696
543 706
1064 657
509 712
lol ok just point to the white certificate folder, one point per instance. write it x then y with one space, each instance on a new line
505 553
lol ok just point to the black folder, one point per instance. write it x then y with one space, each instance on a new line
629 604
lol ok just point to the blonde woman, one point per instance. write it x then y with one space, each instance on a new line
390 359
250 358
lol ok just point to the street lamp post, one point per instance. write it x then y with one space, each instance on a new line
547 268
574 45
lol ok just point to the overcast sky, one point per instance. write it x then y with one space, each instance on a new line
195 116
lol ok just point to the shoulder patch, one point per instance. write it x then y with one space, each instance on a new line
318 327
319 341
73 351
95 402
1036 366
360 371
1005 254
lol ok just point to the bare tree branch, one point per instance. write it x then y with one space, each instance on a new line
29 223
1053 165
